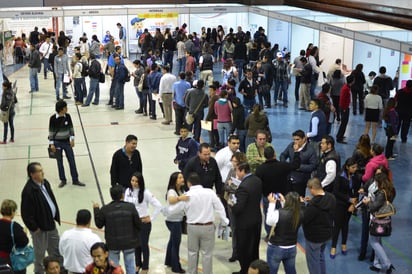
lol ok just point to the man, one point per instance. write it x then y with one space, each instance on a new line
111 65
179 90
274 176
61 68
196 100
119 78
344 104
248 89
329 163
246 210
281 77
75 243
258 267
223 157
101 262
298 66
186 148
385 84
125 162
317 226
51 265
40 212
94 86
306 78
206 167
166 93
45 50
79 81
34 65
240 55
169 47
122 226
318 123
206 67
34 36
255 151
154 83
61 138
122 38
403 106
200 210
267 67
298 178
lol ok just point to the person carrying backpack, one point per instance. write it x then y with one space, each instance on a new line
79 82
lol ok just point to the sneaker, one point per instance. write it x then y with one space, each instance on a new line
3 143
391 158
94 103
84 105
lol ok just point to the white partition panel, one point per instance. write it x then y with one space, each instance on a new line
212 20
332 47
301 37
366 54
256 21
280 32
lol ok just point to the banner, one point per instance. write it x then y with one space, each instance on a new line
152 21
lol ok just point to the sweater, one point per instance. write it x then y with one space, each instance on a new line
122 167
60 128
185 150
223 110
6 243
344 100
373 164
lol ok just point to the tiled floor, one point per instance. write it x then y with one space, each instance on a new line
105 130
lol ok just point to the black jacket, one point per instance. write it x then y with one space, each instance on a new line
274 175
122 168
343 191
207 178
35 210
122 225
318 218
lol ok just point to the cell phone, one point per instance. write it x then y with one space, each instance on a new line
276 196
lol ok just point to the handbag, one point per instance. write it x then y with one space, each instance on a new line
190 117
20 257
386 210
380 227
102 77
57 154
4 116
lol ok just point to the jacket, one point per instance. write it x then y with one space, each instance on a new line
122 225
318 218
185 150
122 168
373 164
209 176
34 59
35 210
344 189
194 98
404 101
255 122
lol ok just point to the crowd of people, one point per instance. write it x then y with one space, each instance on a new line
306 187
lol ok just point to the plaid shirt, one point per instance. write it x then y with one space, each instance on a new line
281 70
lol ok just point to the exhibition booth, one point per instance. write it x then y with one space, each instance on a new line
354 41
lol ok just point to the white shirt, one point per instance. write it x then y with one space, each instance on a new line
177 216
46 49
166 83
74 246
315 122
199 207
222 158
373 101
142 208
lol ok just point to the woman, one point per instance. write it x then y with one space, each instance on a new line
378 159
228 49
391 118
7 104
223 110
141 198
95 46
357 88
285 223
101 263
175 194
63 41
385 191
8 211
345 189
229 71
256 120
230 187
263 88
373 107
362 154
337 82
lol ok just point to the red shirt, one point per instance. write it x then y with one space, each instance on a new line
344 100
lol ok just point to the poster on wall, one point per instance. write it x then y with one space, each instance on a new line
7 38
152 21
405 73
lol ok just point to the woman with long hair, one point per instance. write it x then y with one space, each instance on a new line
175 194
345 189
223 110
141 198
285 223
362 154
391 118
337 81
357 88
385 191
95 47
7 104
373 107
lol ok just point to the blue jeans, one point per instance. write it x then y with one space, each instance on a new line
381 259
249 103
239 63
78 89
128 258
241 133
172 253
182 64
249 140
168 56
139 96
221 128
283 86
119 94
197 126
46 67
94 88
275 255
265 203
313 85
6 127
59 83
68 151
315 257
143 250
34 80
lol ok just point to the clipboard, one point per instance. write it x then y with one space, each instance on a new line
206 125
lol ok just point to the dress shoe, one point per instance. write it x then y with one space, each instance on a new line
84 105
165 123
138 111
232 259
237 272
361 256
119 108
77 183
66 97
145 114
374 268
390 270
180 271
344 250
62 184
94 103
11 140
332 254
341 141
152 117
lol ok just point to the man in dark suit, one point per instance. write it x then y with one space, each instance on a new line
246 210
274 176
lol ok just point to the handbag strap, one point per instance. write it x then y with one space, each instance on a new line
200 103
12 233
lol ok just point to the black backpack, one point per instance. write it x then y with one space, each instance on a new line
85 69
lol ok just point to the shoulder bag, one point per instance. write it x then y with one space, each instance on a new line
380 227
386 210
20 257
5 112
190 117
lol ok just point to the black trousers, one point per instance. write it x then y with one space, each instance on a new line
357 94
179 117
248 246
297 85
342 217
335 100
404 124
344 116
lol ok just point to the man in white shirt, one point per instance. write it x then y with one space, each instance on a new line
200 223
166 93
75 243
329 163
45 49
223 157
